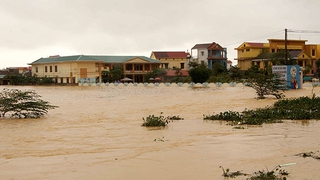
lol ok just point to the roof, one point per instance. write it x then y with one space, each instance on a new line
95 58
201 46
170 54
255 44
294 54
172 73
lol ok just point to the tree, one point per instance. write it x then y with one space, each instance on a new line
318 68
23 104
159 72
112 75
235 73
265 83
200 74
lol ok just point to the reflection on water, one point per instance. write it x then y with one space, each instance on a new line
96 133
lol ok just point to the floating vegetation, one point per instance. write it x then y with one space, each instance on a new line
302 108
175 117
315 155
160 139
227 173
276 174
153 121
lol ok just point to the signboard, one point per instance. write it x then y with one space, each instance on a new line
289 73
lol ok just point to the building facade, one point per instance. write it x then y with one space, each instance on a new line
70 69
305 55
171 59
208 54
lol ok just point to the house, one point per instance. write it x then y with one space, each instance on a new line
257 53
171 59
209 53
70 69
24 71
248 51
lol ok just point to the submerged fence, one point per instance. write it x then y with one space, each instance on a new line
156 84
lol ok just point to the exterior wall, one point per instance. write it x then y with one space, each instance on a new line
65 71
174 62
278 44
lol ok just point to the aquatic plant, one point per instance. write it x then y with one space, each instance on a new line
276 174
315 155
174 117
152 120
302 108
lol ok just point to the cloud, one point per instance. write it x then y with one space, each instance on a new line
37 28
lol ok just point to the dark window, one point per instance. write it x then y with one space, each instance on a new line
55 68
61 79
166 66
247 49
45 69
273 50
37 69
313 52
50 68
202 53
182 65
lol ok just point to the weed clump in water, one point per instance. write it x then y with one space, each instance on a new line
302 108
154 121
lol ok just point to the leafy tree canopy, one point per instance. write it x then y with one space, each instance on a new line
23 104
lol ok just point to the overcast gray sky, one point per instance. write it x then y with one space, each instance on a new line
31 29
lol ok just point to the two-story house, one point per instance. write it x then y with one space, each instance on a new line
208 54
171 59
69 69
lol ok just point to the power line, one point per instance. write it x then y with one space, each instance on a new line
303 31
259 37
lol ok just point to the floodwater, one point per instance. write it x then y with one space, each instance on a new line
96 133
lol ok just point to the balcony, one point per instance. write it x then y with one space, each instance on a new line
136 72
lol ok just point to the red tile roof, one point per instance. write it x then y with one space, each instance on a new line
252 44
170 54
171 73
201 46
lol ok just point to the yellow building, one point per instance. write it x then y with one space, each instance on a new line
171 59
69 69
304 54
248 51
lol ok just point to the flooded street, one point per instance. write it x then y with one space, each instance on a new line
96 133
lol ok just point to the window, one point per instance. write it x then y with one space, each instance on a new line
45 69
313 52
36 69
247 50
55 68
61 80
166 66
202 53
182 65
273 50
50 68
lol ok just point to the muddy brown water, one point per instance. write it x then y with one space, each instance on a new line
96 133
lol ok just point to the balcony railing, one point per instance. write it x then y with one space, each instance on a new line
136 72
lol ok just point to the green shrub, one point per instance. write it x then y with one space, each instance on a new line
153 121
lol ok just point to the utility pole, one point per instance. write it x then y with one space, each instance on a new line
286 46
